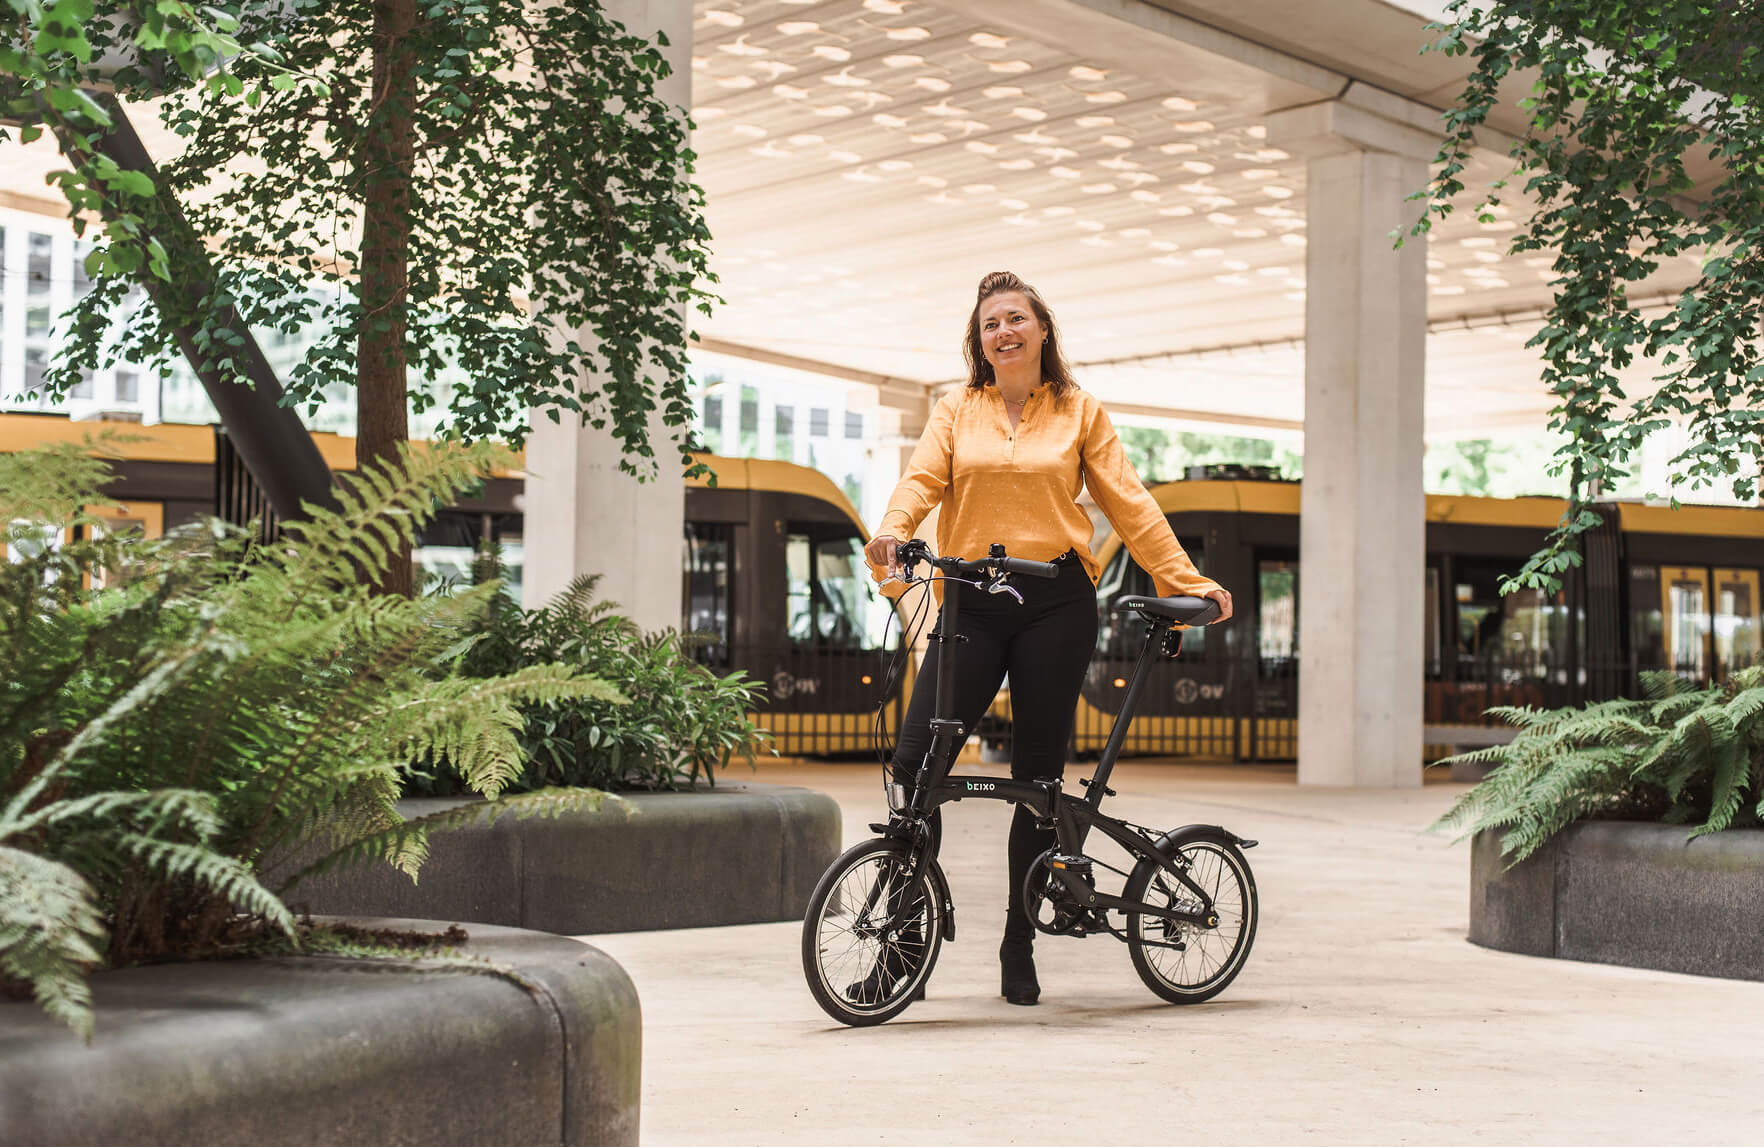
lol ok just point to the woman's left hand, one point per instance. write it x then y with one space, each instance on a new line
1223 597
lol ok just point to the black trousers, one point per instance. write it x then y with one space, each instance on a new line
1044 647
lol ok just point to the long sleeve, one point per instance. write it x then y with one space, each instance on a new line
1134 512
927 475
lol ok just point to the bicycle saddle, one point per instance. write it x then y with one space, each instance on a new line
1181 610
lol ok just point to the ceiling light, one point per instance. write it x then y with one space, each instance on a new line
1090 121
1165 245
1110 97
741 47
1145 196
1034 136
1178 104
886 7
1010 67
1179 148
1198 167
1064 172
945 109
738 83
1090 225
1256 131
895 164
933 181
1292 240
987 40
1097 188
1116 141
789 92
1016 164
929 137
1058 212
1087 74
844 79
1249 233
798 27
1275 191
933 84
832 111
1476 241
750 130
911 33
1208 252
845 157
1002 92
806 139
1136 233
1033 115
980 147
1176 212
1236 265
978 188
899 61
722 18
1193 126
883 119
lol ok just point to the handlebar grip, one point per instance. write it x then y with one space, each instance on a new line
1028 568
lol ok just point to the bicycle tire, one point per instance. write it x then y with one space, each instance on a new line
1206 960
841 954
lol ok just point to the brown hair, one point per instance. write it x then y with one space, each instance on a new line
1053 363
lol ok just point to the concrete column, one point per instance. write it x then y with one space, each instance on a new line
582 514
1361 536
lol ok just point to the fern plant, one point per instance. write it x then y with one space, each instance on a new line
682 724
173 711
1681 755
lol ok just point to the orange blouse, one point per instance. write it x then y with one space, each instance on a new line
1021 487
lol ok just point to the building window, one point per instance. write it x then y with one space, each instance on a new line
784 432
83 388
127 386
41 266
35 361
854 424
817 423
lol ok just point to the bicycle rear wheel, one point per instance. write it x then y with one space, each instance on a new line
1187 963
859 969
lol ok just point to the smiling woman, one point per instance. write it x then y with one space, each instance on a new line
1006 458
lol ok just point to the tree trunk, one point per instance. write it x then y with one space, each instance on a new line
381 391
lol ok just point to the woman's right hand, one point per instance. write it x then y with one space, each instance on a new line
880 552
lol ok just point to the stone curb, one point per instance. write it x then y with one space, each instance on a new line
1630 893
299 1051
742 853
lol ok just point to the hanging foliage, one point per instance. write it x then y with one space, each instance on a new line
1628 100
491 194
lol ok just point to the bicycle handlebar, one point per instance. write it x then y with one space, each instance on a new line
1026 567
915 550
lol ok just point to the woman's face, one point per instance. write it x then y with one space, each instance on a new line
1010 334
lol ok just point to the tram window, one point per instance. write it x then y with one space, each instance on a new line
713 423
1684 618
829 599
705 588
1277 614
1647 631
1431 608
1121 635
1521 634
1737 634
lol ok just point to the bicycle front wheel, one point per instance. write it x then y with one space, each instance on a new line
871 934
1188 963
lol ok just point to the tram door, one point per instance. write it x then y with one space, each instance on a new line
1700 622
1273 729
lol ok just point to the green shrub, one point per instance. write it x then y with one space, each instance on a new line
210 703
1682 756
682 721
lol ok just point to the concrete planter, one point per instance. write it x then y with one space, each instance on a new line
1623 892
741 853
303 1051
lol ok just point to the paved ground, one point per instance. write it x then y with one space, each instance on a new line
1363 1016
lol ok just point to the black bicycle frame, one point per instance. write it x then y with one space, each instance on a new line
1072 818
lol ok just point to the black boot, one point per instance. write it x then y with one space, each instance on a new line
1016 962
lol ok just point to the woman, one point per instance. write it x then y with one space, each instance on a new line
1006 457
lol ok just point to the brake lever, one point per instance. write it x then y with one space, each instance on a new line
999 585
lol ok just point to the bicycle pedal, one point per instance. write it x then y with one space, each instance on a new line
1080 865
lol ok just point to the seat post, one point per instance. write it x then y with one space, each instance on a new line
1154 641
